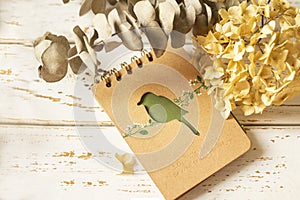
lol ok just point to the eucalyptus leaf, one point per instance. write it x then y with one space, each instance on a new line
184 22
78 37
75 61
98 6
77 65
130 39
40 48
85 7
201 26
59 39
166 16
102 26
133 23
195 4
153 2
55 63
94 39
177 39
208 13
111 45
157 38
144 12
114 20
88 61
175 6
112 2
52 52
91 51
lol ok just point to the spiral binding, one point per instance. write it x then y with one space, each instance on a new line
114 72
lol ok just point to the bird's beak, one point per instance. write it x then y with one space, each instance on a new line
139 103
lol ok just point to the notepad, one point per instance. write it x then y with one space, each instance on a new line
166 117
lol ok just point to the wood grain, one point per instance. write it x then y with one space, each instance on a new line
34 158
34 161
55 103
51 163
268 171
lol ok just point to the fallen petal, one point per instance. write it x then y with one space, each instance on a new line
128 162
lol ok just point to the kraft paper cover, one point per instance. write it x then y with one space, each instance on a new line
174 157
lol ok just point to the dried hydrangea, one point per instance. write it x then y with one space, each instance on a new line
255 52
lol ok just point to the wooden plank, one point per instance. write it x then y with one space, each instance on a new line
268 171
23 21
52 163
34 162
27 99
274 115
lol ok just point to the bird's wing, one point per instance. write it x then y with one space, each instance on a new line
158 113
183 112
170 105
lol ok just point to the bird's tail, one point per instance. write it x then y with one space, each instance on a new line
188 124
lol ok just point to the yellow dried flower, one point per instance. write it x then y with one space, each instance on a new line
256 56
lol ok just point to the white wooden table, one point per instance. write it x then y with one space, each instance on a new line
38 134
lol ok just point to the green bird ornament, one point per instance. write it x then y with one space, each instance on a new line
163 110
